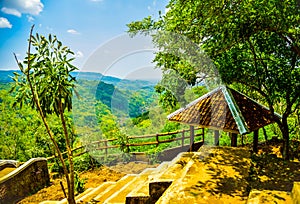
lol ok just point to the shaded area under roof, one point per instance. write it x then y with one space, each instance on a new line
225 109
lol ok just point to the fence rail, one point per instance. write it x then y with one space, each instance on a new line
104 144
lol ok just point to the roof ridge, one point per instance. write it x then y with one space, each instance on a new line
235 110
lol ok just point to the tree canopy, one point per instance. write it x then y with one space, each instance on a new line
255 44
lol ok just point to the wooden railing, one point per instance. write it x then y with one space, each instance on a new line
105 144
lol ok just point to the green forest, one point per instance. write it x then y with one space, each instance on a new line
23 135
99 113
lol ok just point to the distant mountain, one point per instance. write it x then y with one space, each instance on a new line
122 96
5 77
96 76
131 84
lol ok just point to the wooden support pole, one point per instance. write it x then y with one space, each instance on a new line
106 151
182 138
192 136
242 140
255 141
217 137
233 140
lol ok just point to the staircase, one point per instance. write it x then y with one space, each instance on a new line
134 188
211 175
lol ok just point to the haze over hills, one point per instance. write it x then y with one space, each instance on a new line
123 94
6 77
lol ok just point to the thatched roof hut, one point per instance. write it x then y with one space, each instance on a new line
225 109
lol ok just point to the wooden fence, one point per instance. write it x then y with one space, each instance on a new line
158 139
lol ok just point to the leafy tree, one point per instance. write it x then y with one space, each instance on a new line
47 85
16 130
253 44
136 105
109 126
22 134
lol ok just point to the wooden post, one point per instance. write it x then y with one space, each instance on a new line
217 137
105 143
157 141
182 138
192 135
233 140
255 141
203 135
242 140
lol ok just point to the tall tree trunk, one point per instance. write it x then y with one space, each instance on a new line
50 133
255 141
71 193
64 166
265 135
217 137
286 137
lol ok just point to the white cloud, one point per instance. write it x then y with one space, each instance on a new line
30 19
11 11
97 0
79 54
32 7
4 23
72 31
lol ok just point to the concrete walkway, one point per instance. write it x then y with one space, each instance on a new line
218 175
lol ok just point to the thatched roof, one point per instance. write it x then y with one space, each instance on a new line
225 109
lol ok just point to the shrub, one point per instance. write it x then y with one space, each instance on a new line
79 183
85 162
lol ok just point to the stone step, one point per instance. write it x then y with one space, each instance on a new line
175 168
180 190
120 196
176 171
65 201
269 196
166 167
114 188
90 194
151 190
141 192
296 192
49 202
214 175
96 191
156 190
162 166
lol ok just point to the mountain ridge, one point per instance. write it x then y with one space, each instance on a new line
6 77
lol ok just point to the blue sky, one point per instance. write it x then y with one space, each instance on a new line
83 25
